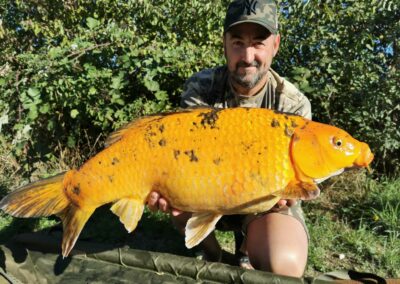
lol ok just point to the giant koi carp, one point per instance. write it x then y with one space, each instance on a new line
211 162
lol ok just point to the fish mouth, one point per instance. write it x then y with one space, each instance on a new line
365 157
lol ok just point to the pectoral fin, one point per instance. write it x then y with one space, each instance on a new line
301 190
199 226
129 211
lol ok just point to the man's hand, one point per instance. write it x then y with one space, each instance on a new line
156 202
285 202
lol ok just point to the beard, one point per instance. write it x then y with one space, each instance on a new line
248 81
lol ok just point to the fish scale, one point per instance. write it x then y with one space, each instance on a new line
212 162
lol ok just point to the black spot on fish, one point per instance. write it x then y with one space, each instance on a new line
161 128
305 125
114 161
191 156
176 154
111 178
294 124
209 118
148 137
99 162
247 146
275 123
76 190
217 161
149 131
288 131
162 142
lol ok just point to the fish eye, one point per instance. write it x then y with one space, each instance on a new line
337 142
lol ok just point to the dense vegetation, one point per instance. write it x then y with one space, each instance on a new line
73 71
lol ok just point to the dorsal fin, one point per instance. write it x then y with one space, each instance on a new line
118 134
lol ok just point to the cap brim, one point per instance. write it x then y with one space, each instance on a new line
271 29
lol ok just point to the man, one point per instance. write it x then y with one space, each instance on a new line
277 240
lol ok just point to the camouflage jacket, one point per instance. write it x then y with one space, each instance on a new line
211 87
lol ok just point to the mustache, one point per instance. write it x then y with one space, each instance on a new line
244 64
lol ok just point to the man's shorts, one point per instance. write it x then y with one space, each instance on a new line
240 222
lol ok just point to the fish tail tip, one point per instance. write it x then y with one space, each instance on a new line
66 251
73 219
68 244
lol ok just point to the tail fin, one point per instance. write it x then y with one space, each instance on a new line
42 198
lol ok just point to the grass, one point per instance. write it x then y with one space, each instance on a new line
354 224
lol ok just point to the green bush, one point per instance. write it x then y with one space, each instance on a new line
345 56
84 67
73 70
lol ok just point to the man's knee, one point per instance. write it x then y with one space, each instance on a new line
277 243
287 264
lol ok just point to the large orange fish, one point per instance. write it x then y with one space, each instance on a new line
212 162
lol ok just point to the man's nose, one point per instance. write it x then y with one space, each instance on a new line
248 54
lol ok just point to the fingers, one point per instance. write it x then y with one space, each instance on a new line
286 202
291 202
152 201
281 203
163 205
156 202
176 212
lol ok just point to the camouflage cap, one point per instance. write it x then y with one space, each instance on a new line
262 12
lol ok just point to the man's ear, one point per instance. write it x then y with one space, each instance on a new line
224 43
277 42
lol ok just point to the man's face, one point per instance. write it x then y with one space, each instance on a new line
249 50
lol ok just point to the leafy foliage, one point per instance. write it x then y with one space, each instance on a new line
344 55
76 67
71 70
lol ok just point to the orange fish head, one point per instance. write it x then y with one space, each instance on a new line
320 151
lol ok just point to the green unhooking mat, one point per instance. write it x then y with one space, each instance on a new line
35 258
